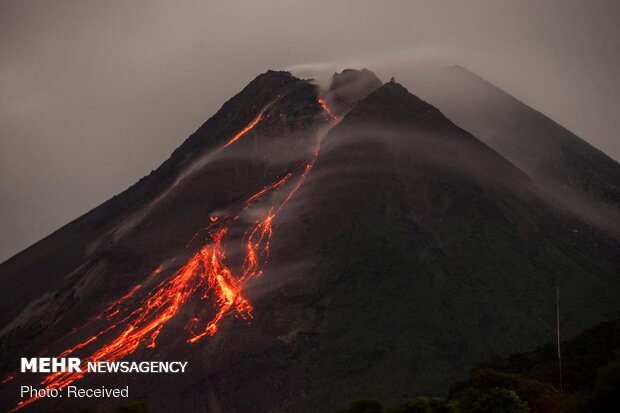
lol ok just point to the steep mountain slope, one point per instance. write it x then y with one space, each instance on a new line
297 265
433 253
581 177
68 248
135 245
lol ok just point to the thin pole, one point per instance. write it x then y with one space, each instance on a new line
557 323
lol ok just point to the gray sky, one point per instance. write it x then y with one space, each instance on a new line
95 94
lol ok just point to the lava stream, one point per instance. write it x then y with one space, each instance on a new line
328 111
245 130
205 273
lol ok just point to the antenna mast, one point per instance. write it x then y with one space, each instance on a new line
557 324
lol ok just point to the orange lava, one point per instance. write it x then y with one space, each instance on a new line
245 130
205 276
327 110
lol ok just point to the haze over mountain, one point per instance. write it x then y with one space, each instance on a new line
305 247
575 173
97 94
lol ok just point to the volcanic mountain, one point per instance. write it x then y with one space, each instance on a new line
304 248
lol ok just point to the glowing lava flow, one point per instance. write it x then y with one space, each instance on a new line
256 243
245 130
206 273
328 111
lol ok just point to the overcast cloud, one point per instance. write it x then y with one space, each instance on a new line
95 94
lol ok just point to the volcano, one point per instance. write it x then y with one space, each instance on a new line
303 248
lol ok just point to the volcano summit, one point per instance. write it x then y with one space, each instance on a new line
306 247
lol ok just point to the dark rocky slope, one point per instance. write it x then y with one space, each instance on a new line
426 253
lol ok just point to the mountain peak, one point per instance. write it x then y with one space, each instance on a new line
348 77
281 245
404 120
349 87
393 101
274 76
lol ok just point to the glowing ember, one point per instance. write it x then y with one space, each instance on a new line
205 275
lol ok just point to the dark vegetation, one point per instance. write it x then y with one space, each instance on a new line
529 382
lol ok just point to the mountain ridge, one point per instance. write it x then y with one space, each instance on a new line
404 252
567 167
